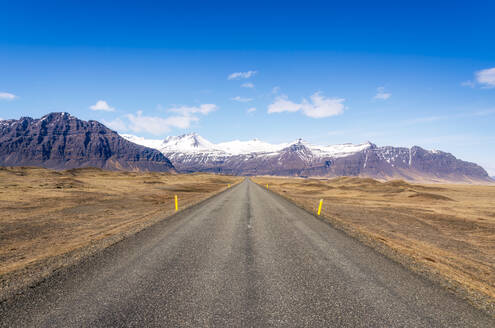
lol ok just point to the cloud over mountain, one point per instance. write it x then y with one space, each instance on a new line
318 106
102 105
157 125
7 96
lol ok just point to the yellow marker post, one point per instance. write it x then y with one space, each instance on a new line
229 185
267 186
319 207
176 203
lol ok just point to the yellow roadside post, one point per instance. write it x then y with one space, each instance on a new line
176 204
267 186
319 207
229 185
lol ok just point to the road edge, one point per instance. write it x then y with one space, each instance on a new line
9 289
476 299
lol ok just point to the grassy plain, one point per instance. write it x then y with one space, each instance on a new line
50 219
444 231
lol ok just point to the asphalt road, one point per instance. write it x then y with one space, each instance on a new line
245 258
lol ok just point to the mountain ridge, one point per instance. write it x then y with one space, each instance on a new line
62 141
303 159
194 143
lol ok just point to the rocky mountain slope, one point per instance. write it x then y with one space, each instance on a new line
191 153
62 141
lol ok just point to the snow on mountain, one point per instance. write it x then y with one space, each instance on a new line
237 147
186 143
342 150
193 153
194 143
151 143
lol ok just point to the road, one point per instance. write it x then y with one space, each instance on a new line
244 258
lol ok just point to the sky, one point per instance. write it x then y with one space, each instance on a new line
390 72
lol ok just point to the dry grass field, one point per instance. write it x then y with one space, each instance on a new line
50 219
444 231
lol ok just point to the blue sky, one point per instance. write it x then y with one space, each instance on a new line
419 74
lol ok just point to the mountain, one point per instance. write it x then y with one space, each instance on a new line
62 141
191 153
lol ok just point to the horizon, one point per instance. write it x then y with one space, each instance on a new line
329 73
149 141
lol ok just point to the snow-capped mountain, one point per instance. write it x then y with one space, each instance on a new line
187 143
151 143
192 153
193 143
237 147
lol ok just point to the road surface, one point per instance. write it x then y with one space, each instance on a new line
245 258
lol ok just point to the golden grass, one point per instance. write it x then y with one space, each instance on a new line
447 229
46 214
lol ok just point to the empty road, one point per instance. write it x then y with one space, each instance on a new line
245 258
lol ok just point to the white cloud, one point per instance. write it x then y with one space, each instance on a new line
318 107
251 110
201 109
103 106
486 77
282 104
275 90
117 124
7 96
247 85
381 94
241 75
468 83
240 99
159 125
